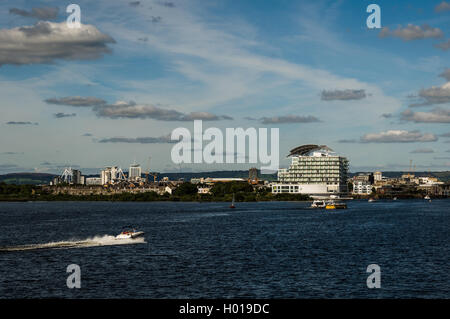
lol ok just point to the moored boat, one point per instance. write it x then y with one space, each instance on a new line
232 203
318 204
335 205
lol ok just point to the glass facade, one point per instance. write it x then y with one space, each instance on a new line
329 170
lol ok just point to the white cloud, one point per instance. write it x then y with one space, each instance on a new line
214 54
446 74
443 6
46 42
443 45
343 95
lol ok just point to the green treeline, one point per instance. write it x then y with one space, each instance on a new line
186 192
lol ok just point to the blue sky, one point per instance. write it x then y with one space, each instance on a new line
311 68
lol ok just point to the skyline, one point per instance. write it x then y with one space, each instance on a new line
112 92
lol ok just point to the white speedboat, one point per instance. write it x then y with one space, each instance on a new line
318 204
130 234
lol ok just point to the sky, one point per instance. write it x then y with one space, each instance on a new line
112 91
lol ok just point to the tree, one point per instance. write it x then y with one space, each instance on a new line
222 189
350 187
186 189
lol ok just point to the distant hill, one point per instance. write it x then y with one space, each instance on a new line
443 176
215 174
26 178
43 178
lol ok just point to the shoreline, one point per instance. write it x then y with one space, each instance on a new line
21 200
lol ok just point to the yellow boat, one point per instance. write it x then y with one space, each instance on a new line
334 205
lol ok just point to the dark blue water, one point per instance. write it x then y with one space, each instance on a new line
205 250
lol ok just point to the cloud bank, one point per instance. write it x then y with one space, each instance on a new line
76 101
131 110
398 136
437 115
288 119
139 140
45 13
422 151
21 123
62 115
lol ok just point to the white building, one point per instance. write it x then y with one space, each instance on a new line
377 176
168 189
362 187
111 175
93 181
204 190
197 180
71 177
212 180
314 170
135 172
428 181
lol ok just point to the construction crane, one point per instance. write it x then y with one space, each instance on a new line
121 175
67 175
148 173
154 174
410 170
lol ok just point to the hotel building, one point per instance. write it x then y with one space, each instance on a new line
314 170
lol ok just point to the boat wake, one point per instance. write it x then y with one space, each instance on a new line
105 240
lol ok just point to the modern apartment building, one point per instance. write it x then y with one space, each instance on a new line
314 170
135 172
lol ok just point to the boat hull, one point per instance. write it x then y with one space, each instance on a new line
318 204
336 206
130 235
